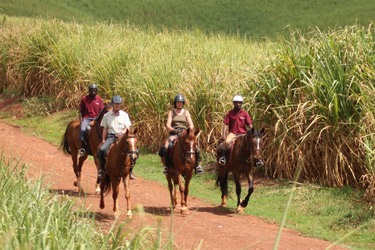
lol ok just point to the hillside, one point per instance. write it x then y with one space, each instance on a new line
251 18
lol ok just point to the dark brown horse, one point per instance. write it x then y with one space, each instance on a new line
70 144
183 160
244 156
121 158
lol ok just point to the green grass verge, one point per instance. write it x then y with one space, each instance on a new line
327 213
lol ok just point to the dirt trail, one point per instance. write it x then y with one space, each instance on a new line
216 228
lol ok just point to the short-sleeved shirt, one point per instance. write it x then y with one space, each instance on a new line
116 123
237 121
90 106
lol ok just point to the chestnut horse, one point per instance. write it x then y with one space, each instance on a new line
183 160
244 156
121 158
70 145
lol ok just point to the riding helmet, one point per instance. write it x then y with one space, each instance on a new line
179 98
93 86
237 98
116 99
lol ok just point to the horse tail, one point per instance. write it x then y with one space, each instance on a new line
107 184
64 142
222 180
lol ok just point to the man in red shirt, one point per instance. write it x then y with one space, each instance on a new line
236 119
89 108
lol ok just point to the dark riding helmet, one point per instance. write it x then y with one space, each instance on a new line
116 99
93 86
179 98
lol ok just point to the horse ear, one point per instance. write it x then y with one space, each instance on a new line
252 130
262 131
196 132
135 130
188 131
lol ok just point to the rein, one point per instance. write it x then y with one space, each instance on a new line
129 153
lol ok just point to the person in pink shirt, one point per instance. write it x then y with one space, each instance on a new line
89 109
236 120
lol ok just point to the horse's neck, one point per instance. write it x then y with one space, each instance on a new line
243 145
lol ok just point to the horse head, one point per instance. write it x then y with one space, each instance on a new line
188 144
128 146
255 146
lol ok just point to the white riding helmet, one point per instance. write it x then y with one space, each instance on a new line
237 98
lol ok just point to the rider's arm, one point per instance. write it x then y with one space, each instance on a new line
105 134
169 122
224 132
189 120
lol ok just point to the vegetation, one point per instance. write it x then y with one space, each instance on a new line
32 218
251 18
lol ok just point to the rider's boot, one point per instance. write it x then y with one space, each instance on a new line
166 160
82 150
101 172
198 167
223 159
132 177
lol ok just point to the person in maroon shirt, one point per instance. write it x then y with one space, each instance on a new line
236 119
89 109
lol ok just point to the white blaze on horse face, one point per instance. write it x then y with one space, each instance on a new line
191 148
132 146
258 144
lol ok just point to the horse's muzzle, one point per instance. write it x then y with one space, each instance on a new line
258 162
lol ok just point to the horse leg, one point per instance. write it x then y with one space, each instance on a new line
184 209
238 192
250 191
97 189
79 169
175 183
102 183
224 187
115 191
182 193
170 188
126 182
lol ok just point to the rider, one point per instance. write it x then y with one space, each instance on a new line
89 109
115 123
236 119
178 120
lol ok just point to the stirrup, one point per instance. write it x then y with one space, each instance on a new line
81 152
165 170
199 170
101 173
222 161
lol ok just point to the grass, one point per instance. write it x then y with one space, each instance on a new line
251 18
315 211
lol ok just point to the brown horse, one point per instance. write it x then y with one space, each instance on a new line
71 144
244 156
121 158
183 160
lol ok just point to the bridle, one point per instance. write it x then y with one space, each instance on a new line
188 152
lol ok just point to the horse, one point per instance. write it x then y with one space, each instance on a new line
244 157
121 158
183 161
70 145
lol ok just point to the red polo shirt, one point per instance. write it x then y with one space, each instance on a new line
90 107
237 121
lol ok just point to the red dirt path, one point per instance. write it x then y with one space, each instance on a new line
217 229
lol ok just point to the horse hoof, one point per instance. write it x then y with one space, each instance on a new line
223 205
75 183
97 191
184 211
129 214
240 210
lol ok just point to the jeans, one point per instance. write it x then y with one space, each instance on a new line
104 148
84 124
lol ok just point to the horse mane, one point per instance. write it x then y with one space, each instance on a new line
103 111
